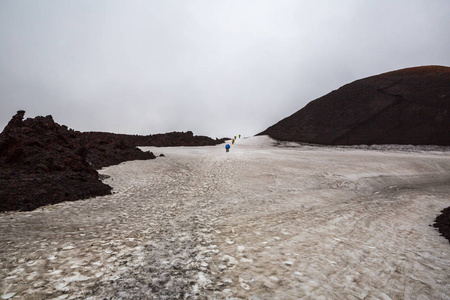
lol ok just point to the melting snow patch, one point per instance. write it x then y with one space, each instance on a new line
230 260
7 296
241 248
61 286
61 297
273 278
245 286
77 277
229 242
31 263
202 280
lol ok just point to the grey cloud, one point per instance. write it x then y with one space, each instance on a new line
214 67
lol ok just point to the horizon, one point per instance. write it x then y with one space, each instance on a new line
216 69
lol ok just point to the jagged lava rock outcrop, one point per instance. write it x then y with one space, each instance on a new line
442 223
408 106
170 139
107 149
42 162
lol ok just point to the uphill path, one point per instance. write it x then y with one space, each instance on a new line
260 222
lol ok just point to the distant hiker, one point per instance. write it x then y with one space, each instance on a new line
232 141
239 136
234 137
227 147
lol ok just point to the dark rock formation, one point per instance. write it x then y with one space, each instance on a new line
170 139
108 149
442 222
39 165
409 106
42 162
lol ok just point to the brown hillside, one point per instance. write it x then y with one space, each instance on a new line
408 106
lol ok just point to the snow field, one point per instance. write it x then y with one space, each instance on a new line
260 222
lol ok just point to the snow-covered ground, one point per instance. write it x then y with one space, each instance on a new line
263 221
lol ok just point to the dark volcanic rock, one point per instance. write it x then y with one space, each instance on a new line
108 149
39 165
42 162
409 106
169 139
442 222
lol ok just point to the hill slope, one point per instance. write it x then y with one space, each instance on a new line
43 162
408 106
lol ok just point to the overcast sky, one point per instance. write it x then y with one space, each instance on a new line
217 68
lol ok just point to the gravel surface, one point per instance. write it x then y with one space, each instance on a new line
259 222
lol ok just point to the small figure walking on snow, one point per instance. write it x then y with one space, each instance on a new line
227 147
232 142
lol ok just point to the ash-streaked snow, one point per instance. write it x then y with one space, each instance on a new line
264 221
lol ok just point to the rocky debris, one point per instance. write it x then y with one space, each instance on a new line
178 139
169 139
42 162
442 223
107 150
408 106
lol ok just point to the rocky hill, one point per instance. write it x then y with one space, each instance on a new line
169 139
100 145
408 106
42 162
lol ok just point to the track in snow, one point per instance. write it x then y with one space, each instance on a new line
258 222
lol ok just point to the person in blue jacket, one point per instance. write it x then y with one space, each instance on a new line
227 147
